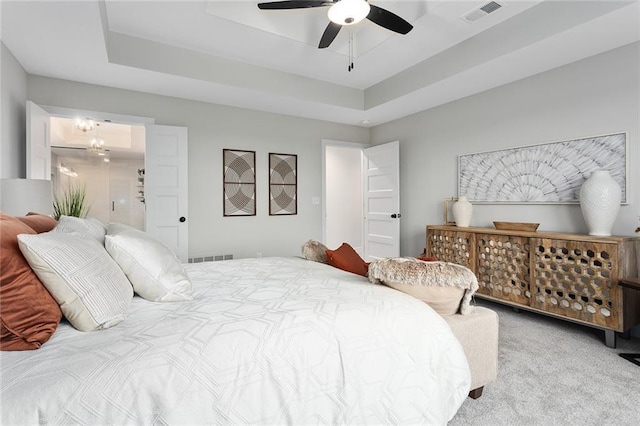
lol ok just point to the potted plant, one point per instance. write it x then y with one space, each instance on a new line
72 202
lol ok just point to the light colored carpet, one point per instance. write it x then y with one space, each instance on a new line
554 372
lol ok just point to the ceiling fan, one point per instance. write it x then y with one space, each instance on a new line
345 12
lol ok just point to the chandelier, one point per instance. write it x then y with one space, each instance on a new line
96 145
85 124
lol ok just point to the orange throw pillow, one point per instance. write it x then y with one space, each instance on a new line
38 222
426 258
347 259
29 315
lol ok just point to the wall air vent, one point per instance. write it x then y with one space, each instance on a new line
480 12
212 258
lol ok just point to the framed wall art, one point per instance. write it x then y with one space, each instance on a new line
550 173
239 182
283 184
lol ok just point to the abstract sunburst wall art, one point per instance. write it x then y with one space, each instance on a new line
283 184
239 182
547 173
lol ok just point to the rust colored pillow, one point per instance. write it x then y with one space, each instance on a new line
347 259
29 315
38 222
426 258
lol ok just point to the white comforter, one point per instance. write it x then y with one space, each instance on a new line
265 341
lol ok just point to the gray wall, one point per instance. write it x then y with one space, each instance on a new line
12 116
212 128
595 96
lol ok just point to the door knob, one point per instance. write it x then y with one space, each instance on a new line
182 219
396 216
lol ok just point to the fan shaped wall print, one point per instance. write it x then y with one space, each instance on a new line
283 184
239 182
547 173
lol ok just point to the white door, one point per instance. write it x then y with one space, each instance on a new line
166 187
38 143
382 201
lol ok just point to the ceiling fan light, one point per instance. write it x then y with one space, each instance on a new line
348 12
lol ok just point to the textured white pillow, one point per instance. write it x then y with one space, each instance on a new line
87 227
153 269
92 291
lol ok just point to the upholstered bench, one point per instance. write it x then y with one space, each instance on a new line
478 333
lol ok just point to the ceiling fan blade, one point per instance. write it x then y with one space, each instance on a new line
279 5
388 20
329 34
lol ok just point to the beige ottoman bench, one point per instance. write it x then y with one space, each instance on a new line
478 333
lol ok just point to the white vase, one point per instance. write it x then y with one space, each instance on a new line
600 198
462 210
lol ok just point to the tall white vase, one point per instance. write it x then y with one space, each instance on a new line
600 198
462 210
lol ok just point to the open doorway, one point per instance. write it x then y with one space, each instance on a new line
343 202
361 203
108 160
166 177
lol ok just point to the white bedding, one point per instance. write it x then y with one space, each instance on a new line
264 341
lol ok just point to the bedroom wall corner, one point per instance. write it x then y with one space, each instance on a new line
13 89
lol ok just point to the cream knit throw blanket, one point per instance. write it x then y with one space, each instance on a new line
408 270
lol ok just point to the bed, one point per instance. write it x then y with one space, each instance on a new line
263 341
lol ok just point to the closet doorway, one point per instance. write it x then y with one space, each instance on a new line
361 197
343 206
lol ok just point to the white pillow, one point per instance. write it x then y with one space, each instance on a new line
88 227
153 269
92 291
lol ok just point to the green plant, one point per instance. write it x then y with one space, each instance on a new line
72 202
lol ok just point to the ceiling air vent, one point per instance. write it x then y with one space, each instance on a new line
482 11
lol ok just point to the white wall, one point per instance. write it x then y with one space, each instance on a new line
13 88
344 207
212 128
595 96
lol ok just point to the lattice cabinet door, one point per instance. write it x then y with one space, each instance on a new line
503 267
452 246
577 279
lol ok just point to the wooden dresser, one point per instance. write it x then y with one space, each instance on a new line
569 276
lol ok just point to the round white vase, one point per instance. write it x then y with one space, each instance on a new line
600 197
462 210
